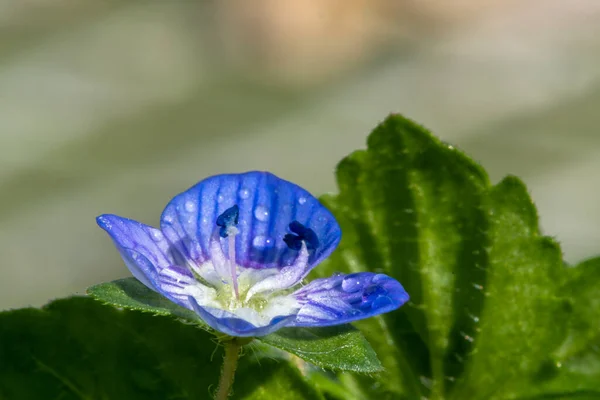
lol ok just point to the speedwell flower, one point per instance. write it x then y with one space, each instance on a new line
236 248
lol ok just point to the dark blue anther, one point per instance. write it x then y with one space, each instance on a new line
302 233
228 219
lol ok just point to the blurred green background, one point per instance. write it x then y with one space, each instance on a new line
116 106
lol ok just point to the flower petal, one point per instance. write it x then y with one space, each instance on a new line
345 298
178 284
144 249
141 268
267 205
232 325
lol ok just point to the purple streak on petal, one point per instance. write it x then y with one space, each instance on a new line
346 298
267 205
140 267
178 284
226 322
144 249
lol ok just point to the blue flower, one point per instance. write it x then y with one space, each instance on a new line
236 248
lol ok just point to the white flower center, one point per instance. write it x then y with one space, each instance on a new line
258 309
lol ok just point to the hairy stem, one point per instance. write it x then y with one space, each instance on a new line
230 361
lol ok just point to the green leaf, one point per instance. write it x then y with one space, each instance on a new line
524 316
284 382
573 370
340 389
583 289
486 304
131 294
79 349
336 348
409 206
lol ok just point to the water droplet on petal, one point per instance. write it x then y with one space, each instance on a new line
168 218
382 301
261 213
380 278
157 236
335 274
353 283
371 292
302 200
190 206
244 193
263 241
353 311
220 198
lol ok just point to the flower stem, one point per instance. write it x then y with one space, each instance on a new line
230 361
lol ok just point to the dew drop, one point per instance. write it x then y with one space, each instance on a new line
337 274
168 218
157 236
372 291
375 296
354 311
190 206
380 278
302 200
261 213
220 198
106 222
263 241
352 283
244 193
382 301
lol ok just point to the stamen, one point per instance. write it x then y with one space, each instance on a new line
303 234
228 220
304 240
